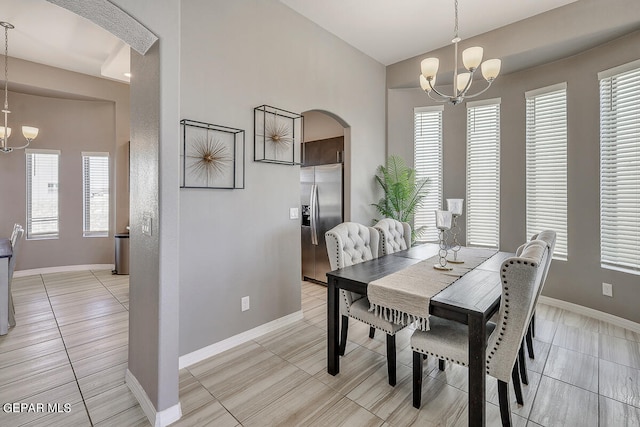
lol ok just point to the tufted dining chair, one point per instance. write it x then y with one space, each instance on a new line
520 278
394 235
549 237
14 233
16 241
351 243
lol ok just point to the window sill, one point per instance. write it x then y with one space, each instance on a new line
627 270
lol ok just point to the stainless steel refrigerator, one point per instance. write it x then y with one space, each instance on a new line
321 200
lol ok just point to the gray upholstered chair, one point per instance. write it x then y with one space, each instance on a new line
14 233
394 235
351 243
549 237
16 239
521 277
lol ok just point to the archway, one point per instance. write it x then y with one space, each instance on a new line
346 158
323 185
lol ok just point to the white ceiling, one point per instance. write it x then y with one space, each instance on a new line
54 36
393 30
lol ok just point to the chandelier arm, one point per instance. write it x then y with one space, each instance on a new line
436 99
482 91
463 92
24 146
436 91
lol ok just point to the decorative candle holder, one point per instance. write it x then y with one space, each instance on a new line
455 206
443 223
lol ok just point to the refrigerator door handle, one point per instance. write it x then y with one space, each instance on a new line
314 214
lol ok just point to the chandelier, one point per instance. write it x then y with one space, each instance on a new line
471 59
28 132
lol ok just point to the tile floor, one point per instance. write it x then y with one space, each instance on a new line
70 346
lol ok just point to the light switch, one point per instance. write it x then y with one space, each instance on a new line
293 213
146 224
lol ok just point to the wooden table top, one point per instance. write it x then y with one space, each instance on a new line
5 248
477 291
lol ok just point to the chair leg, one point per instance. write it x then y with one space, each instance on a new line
372 332
530 342
441 364
503 397
343 335
515 379
417 379
532 324
391 359
523 364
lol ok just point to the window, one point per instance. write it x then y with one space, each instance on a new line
42 193
95 194
547 164
483 173
428 164
620 167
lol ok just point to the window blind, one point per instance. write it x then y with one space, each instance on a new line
42 193
95 184
546 151
428 164
620 169
483 173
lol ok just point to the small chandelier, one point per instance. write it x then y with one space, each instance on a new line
471 58
29 132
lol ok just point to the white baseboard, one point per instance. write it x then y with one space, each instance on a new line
64 268
157 419
590 312
224 345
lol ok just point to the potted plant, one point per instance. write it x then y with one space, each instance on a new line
403 193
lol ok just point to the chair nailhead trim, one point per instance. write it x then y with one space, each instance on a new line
419 350
388 332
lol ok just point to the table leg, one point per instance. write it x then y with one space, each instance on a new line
333 327
477 367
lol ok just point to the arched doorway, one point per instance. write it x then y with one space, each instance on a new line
323 188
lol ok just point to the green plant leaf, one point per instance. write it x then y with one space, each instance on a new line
403 194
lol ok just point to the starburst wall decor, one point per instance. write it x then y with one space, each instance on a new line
212 156
277 137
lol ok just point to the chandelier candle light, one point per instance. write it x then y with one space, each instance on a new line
471 59
29 133
455 206
443 223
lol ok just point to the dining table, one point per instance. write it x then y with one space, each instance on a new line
5 256
470 299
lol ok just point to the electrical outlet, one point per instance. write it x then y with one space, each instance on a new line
607 289
293 213
245 303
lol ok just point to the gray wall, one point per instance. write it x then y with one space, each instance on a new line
153 292
71 126
318 125
579 279
236 56
57 99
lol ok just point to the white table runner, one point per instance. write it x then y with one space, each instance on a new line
403 297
